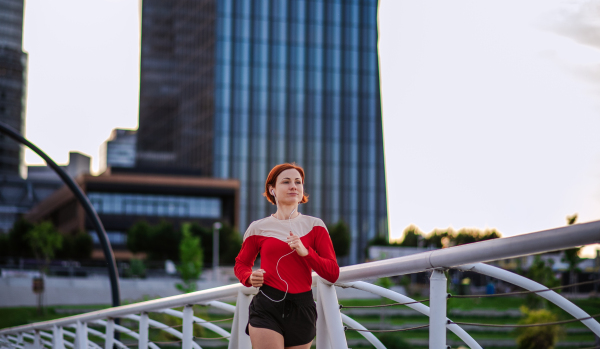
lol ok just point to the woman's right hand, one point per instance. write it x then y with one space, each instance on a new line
256 278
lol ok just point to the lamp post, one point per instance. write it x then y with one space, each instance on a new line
215 266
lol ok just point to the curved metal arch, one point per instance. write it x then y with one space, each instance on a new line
87 206
531 285
368 335
420 307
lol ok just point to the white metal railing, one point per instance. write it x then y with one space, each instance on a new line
330 328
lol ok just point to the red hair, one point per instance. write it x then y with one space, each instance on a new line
272 179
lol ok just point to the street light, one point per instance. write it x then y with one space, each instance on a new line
216 227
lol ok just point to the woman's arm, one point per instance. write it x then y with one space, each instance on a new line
323 260
245 260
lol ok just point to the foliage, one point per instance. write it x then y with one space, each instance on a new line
138 237
137 268
44 241
539 337
17 240
385 282
76 246
230 243
190 252
411 236
393 341
541 272
4 247
340 238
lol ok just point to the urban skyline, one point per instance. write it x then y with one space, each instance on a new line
533 69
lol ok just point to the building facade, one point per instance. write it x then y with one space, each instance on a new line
13 77
233 87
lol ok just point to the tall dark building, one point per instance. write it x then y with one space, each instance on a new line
13 72
233 87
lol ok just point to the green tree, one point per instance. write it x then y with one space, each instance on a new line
541 272
164 242
230 243
411 236
538 337
44 241
340 238
17 239
190 255
83 245
571 256
138 237
436 237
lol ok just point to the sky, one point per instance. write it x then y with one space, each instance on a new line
491 110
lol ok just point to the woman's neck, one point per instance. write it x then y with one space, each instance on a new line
283 212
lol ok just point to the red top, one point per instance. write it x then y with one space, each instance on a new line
268 237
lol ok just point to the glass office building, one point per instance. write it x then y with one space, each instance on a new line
288 81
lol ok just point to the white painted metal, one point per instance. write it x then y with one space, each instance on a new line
210 326
65 343
103 336
16 341
368 335
239 338
420 307
484 251
322 332
531 285
143 331
437 301
331 313
220 305
163 327
37 340
109 337
126 331
188 327
81 341
57 338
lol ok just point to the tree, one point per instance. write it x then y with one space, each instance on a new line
44 241
230 243
412 236
164 242
571 255
340 238
538 337
190 255
17 239
138 237
540 272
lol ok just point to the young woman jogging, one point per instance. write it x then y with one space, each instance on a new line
291 245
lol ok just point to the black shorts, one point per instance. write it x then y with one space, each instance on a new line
295 318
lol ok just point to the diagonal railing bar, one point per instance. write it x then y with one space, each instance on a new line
523 292
531 285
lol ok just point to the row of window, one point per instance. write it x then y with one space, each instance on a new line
116 238
155 205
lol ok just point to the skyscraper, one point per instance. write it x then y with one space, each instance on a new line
233 87
13 72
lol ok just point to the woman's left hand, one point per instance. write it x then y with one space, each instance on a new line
296 244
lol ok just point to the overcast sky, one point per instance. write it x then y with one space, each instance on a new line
491 109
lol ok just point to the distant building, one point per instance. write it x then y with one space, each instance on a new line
230 88
123 199
18 195
13 78
119 150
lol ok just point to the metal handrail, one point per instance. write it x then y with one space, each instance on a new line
510 247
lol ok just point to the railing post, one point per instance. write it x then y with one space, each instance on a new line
437 302
110 334
239 338
57 338
322 333
331 312
37 340
143 332
188 327
20 338
81 338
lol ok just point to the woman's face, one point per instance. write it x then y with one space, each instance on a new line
288 187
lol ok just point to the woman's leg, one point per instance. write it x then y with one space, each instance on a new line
304 346
263 338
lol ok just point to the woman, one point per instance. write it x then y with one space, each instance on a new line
283 314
